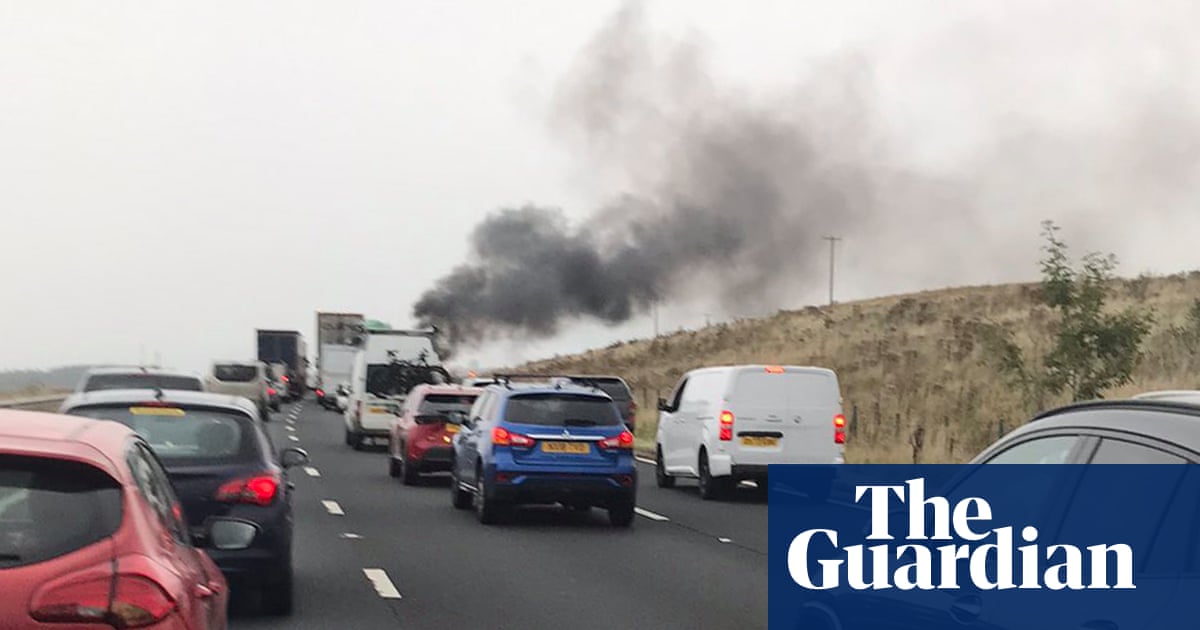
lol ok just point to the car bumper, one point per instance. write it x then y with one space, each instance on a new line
435 458
541 487
250 565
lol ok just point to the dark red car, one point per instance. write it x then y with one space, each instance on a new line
420 437
91 534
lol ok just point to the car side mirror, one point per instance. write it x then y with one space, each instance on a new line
431 418
291 457
228 533
663 405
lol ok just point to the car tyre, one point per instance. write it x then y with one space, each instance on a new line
621 513
459 498
487 508
393 465
660 471
711 488
409 475
278 597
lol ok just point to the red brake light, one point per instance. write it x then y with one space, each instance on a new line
121 601
285 379
504 437
271 391
320 393
774 369
726 426
257 490
839 429
623 441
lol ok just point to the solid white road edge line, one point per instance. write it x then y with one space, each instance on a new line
333 508
382 583
312 472
650 515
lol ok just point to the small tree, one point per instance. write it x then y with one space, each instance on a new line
1092 350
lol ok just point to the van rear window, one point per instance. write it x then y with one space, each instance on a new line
235 373
51 507
758 388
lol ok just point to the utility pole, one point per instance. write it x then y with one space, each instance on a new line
832 246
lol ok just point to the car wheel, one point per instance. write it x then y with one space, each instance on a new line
349 437
459 498
711 488
621 513
660 471
393 465
487 509
408 472
277 597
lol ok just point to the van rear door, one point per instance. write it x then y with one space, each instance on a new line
784 415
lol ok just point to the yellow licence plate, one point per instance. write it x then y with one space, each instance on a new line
576 448
754 440
379 410
451 428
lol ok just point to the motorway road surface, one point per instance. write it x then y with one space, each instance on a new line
372 553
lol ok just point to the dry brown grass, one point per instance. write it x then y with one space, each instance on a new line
904 362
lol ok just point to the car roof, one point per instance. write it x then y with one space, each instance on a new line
134 369
174 396
1191 396
100 443
543 388
1165 420
426 389
811 369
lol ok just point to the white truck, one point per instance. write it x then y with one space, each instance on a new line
387 366
334 365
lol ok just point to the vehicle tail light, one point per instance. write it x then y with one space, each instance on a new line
320 393
623 441
839 429
504 437
285 379
271 391
257 490
726 426
121 601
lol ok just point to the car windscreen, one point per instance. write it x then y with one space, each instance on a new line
235 373
759 388
454 406
561 410
51 507
137 380
186 436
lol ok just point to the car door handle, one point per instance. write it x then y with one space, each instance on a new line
966 609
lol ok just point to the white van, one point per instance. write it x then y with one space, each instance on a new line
723 425
377 388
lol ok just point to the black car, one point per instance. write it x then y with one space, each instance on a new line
618 390
224 469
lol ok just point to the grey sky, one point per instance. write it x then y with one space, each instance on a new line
175 175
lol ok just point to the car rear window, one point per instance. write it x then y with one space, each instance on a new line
235 373
561 410
759 388
186 436
454 406
51 507
98 382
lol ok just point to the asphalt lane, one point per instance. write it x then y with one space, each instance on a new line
431 566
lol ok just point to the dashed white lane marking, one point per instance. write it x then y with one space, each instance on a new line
645 460
382 583
333 508
290 428
349 536
312 472
650 515
725 540
293 438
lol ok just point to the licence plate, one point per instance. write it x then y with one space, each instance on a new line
575 448
755 440
379 410
451 428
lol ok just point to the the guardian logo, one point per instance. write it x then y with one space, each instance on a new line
988 564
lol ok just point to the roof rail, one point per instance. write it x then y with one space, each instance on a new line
507 379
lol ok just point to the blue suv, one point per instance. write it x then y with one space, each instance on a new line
544 444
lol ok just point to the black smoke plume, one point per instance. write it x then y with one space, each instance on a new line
725 194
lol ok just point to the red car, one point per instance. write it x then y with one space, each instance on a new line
419 440
91 534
